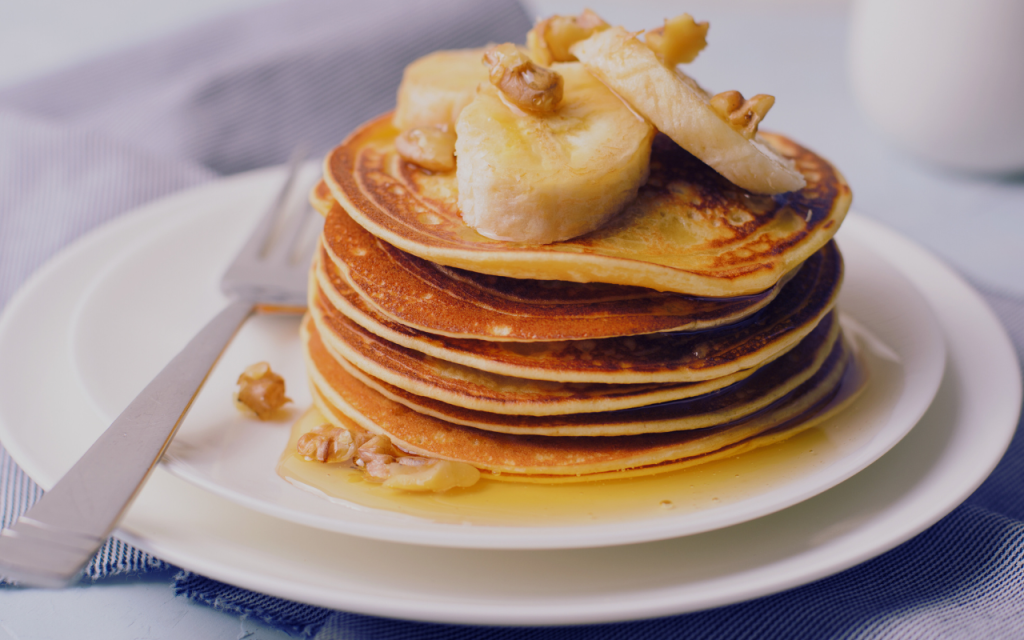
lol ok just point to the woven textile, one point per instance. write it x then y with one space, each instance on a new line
81 147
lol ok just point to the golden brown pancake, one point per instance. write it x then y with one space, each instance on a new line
471 388
644 359
766 385
689 230
453 302
342 398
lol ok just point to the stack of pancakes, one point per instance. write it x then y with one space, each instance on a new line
697 325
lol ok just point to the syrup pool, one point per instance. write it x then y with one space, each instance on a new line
858 417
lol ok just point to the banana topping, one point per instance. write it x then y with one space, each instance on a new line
551 141
526 84
432 148
679 40
742 115
540 177
436 87
680 109
550 39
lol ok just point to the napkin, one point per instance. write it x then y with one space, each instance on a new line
81 147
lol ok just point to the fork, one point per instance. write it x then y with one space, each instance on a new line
51 543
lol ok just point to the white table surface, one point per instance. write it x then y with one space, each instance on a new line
793 49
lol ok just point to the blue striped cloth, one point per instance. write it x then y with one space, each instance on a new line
81 147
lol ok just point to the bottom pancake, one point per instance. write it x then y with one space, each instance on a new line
344 400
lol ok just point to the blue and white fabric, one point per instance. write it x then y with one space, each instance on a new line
83 146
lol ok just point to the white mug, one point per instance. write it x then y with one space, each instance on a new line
944 79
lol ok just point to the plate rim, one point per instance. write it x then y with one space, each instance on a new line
575 611
928 353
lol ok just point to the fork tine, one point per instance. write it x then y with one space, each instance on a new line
283 246
267 269
307 238
259 241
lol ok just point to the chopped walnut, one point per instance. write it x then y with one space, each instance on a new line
326 443
261 390
550 39
743 115
524 83
432 148
396 469
680 40
375 455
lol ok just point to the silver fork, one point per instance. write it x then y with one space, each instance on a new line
50 544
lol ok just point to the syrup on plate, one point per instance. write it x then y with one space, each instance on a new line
706 486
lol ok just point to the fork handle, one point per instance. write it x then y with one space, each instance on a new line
50 544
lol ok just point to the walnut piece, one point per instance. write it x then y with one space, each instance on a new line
550 39
396 469
524 83
326 443
679 40
743 115
375 455
261 390
432 148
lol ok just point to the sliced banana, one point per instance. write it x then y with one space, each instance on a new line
436 87
679 108
544 177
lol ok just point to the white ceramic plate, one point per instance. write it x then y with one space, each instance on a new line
156 293
47 421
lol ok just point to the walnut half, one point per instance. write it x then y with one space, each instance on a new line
679 40
743 115
524 83
261 390
396 469
382 462
326 443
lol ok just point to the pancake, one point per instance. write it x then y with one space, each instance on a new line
762 388
453 302
688 231
644 359
471 388
343 399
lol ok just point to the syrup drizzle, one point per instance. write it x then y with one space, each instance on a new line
707 486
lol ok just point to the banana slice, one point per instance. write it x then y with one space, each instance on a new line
544 177
679 108
436 87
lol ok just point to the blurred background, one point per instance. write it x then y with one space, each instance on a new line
876 86
37 36
873 123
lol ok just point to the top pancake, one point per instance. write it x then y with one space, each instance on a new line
689 230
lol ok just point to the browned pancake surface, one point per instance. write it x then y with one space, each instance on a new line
471 388
766 385
689 230
459 303
339 393
643 359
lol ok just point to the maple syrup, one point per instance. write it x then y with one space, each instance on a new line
705 486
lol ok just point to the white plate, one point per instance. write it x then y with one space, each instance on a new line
47 421
154 295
